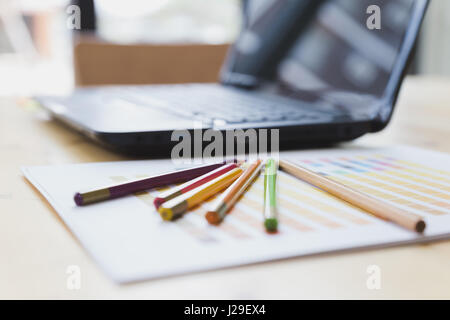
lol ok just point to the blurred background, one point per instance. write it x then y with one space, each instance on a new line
37 46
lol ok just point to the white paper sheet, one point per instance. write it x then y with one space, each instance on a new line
130 242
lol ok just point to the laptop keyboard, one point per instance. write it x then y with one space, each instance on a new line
209 103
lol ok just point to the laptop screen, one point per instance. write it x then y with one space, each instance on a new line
337 53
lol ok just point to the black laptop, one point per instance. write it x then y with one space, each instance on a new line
319 71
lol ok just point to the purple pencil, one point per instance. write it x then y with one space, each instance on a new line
160 180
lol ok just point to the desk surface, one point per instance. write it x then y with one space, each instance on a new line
36 248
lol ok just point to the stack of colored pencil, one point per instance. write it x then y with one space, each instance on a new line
200 184
203 182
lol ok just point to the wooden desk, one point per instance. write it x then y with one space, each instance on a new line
36 247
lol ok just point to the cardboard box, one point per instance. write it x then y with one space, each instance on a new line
98 62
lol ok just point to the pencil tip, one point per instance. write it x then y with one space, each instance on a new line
166 214
271 224
420 226
212 217
158 202
78 198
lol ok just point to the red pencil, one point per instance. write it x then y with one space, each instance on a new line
185 187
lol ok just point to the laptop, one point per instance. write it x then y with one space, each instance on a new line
320 72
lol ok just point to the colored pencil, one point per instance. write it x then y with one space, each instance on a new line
185 187
226 200
176 207
160 180
374 206
270 198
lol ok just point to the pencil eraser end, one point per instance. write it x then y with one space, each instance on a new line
78 198
271 225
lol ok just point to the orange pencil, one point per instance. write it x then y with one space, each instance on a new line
226 201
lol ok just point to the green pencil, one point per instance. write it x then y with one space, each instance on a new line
270 199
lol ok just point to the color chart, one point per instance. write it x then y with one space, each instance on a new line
130 241
305 208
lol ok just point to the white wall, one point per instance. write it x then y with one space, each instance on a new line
434 46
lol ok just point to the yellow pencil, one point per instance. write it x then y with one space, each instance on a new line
176 207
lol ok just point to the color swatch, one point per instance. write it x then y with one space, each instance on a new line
130 241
